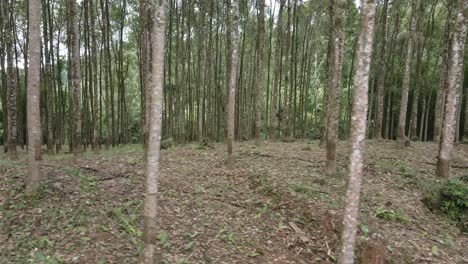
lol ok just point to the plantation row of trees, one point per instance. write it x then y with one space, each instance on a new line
109 60
109 73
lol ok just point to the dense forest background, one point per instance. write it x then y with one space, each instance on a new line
114 59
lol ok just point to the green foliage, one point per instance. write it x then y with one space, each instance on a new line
451 198
390 214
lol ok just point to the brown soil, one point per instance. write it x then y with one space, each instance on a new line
269 204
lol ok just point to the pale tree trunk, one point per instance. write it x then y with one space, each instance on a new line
337 13
406 78
441 92
454 80
381 76
33 97
417 86
154 139
95 77
358 132
12 91
76 82
276 81
233 75
261 44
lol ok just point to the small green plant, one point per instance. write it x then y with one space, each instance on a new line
390 214
163 240
364 229
451 198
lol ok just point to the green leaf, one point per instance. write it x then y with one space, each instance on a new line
364 229
435 250
39 256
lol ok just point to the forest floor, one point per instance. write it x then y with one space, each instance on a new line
270 204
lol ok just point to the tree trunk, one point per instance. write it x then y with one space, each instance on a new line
381 75
358 132
406 77
259 79
276 82
337 12
233 75
33 97
154 143
76 81
454 80
12 89
441 92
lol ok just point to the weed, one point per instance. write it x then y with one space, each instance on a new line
390 214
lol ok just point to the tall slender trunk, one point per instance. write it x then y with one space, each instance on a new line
76 82
33 97
276 83
358 132
337 12
381 75
154 144
259 80
12 85
233 75
441 92
454 78
406 77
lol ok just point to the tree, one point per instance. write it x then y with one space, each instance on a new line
74 17
260 45
358 131
12 89
34 118
276 83
406 77
454 81
233 75
154 139
381 75
337 16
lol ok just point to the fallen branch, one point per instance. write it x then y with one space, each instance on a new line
299 232
456 166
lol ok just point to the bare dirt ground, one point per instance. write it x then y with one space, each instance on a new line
270 204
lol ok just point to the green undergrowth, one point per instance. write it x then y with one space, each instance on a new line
449 197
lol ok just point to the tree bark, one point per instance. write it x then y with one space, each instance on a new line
337 12
259 80
381 75
233 75
33 97
154 143
406 78
76 77
12 86
276 81
454 80
358 132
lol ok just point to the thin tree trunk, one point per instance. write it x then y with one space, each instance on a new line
441 92
33 97
358 132
455 73
337 12
12 89
233 75
76 88
259 79
381 75
276 83
401 138
154 144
